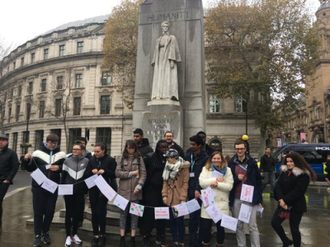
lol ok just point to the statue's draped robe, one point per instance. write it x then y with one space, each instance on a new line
165 79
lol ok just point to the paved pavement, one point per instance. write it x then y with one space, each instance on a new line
315 225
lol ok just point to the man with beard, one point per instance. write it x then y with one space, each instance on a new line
152 195
169 136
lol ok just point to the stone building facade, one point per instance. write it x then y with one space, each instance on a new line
313 116
59 75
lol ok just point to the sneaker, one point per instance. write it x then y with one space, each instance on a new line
37 241
76 239
67 241
101 241
160 240
95 242
46 238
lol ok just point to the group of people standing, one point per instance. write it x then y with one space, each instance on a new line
165 177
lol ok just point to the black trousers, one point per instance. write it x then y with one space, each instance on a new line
44 204
205 228
295 218
3 191
153 198
73 205
99 210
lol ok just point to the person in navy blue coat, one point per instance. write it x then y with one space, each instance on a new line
197 158
245 171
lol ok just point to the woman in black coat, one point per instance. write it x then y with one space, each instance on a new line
290 192
104 165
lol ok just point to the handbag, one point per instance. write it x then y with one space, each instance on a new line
284 214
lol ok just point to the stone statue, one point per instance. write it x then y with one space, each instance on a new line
165 59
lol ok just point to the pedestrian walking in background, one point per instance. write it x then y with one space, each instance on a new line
152 195
102 164
49 160
245 171
267 170
8 169
290 190
132 174
175 191
221 185
73 171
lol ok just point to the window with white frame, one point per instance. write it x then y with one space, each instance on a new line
214 102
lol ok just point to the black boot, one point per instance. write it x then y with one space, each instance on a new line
145 241
132 242
101 241
122 241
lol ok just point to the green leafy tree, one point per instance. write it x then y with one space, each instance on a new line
120 47
263 49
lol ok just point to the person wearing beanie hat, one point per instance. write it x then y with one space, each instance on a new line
175 190
8 168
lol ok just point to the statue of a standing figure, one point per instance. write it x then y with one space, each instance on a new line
165 59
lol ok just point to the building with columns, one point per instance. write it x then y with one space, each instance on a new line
57 80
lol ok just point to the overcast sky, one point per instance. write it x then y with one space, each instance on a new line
22 20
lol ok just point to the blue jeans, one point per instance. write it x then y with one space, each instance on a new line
269 177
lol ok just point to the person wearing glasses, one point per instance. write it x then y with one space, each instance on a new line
245 171
132 174
103 165
152 195
73 171
49 160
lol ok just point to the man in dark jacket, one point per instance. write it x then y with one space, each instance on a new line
197 158
143 143
245 171
8 168
152 195
169 136
267 170
49 160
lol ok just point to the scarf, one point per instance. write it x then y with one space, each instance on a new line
223 170
171 170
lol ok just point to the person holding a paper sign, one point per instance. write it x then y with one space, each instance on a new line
290 190
132 174
215 175
175 188
49 160
101 164
73 171
197 158
152 195
8 169
245 171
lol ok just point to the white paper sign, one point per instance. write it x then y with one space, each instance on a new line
136 209
105 188
179 210
247 193
207 197
245 213
162 213
38 176
90 181
65 189
49 185
214 213
192 206
260 209
229 222
216 174
120 202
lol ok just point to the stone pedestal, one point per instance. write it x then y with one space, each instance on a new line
162 115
